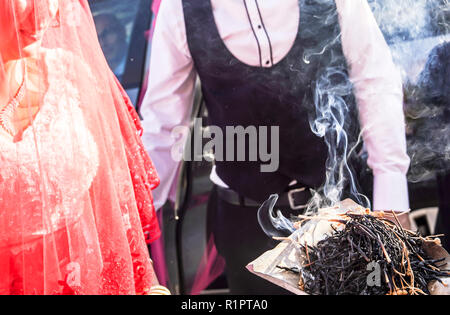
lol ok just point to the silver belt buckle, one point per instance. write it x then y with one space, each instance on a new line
292 201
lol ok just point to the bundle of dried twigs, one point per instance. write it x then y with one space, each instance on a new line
368 255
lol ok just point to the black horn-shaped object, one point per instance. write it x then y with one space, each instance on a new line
274 224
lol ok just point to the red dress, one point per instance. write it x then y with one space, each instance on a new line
75 185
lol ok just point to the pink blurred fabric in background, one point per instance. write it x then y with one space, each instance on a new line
211 265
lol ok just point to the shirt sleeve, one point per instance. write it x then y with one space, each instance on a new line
169 97
378 90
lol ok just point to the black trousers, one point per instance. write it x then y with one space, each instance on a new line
240 240
443 219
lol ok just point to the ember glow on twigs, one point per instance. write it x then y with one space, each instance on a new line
369 255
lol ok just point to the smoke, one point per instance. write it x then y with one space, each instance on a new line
418 33
401 19
428 115
272 222
413 30
335 114
332 123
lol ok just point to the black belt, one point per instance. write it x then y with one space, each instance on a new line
294 199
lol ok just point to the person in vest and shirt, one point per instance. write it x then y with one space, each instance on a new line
261 63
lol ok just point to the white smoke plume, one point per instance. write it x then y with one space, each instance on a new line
418 32
412 28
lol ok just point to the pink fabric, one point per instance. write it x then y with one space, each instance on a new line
155 8
158 255
211 266
75 181
148 36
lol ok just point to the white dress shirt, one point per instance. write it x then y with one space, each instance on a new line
377 82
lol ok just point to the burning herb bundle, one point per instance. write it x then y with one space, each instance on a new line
369 255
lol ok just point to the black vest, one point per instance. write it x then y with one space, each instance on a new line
237 94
